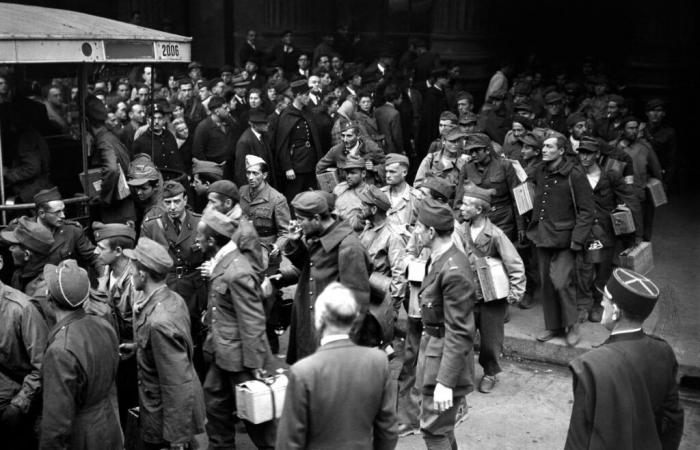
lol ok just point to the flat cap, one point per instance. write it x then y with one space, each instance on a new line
226 188
588 145
629 118
47 195
310 203
352 163
299 86
151 255
68 283
140 174
171 188
440 186
218 222
257 116
375 196
471 190
215 103
95 110
110 230
531 139
632 292
553 97
455 134
574 118
396 158
432 213
194 65
199 166
253 160
31 235
477 140
654 103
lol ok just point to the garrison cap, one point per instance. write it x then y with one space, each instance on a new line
553 97
473 191
455 134
31 235
310 203
68 283
257 116
632 292
47 195
218 222
171 188
226 188
396 158
352 163
141 174
215 102
654 103
299 86
477 140
432 213
439 185
109 230
531 139
199 166
194 65
575 118
151 255
375 196
253 160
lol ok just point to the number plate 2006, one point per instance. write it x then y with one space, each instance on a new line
168 51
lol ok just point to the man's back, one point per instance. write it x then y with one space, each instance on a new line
339 397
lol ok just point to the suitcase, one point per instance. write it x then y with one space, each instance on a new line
493 278
655 188
639 258
261 401
327 180
622 221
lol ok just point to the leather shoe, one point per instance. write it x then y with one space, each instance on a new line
407 430
526 302
547 335
487 383
573 336
596 314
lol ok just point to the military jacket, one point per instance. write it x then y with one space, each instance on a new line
186 256
404 207
268 210
386 247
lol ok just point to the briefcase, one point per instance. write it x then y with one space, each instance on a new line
261 401
493 278
639 258
622 221
524 194
327 180
655 188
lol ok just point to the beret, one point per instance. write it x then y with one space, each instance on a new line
553 97
226 188
632 292
218 222
396 158
310 202
575 118
467 118
171 188
432 213
151 255
253 160
455 134
141 174
226 68
257 116
215 102
199 166
31 235
449 115
620 100
109 230
439 185
352 163
94 109
531 139
629 118
654 103
194 65
68 283
299 86
47 195
473 191
477 140
372 195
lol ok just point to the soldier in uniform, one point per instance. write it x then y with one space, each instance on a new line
70 241
23 336
147 185
171 402
268 210
445 163
79 368
204 174
236 338
626 390
176 231
30 245
445 372
403 197
348 205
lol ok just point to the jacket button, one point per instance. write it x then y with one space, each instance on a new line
311 278
311 307
213 308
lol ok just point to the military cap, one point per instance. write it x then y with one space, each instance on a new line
477 140
553 97
47 195
375 196
432 213
226 188
68 283
199 166
158 107
241 84
440 72
455 134
629 118
141 174
464 95
299 87
632 292
257 116
151 255
95 110
253 160
226 68
439 185
31 235
171 188
213 82
498 95
531 139
202 82
449 115
194 65
588 145
346 125
396 158
654 103
109 230
467 118
215 103
618 99
218 222
352 163
310 203
473 191
574 118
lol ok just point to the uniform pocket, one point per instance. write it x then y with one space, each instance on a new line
562 225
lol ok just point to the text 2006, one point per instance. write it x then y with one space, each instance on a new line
171 50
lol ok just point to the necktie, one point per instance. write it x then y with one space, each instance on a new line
178 225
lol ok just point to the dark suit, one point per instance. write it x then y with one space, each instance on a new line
211 143
389 124
339 397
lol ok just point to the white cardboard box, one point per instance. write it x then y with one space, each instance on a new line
258 401
493 278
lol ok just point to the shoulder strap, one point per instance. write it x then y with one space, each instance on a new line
573 197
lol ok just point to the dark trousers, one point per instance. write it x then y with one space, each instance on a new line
302 182
19 436
409 395
438 428
489 321
192 288
220 398
648 212
591 277
529 256
127 389
557 278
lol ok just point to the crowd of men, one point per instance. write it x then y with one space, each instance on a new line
379 176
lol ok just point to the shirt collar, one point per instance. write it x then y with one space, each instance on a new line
333 337
221 254
256 133
635 330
